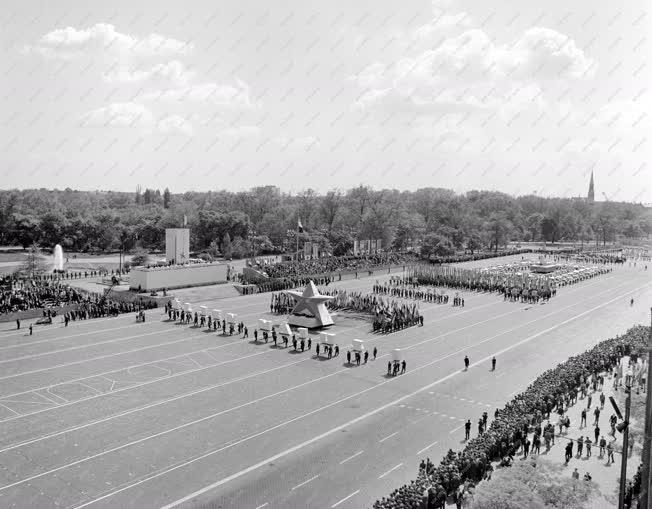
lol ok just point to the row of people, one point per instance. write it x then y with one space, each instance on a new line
523 413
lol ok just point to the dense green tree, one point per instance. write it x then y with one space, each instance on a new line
435 244
93 221
498 229
140 257
227 250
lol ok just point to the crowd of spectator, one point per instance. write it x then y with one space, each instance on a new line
27 294
336 264
22 295
548 393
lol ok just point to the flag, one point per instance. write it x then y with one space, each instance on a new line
299 225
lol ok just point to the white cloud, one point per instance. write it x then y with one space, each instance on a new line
236 97
129 114
629 116
297 143
243 131
442 25
102 38
175 124
543 53
173 71
472 61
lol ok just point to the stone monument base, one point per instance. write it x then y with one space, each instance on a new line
309 322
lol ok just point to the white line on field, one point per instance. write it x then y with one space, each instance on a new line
387 437
305 482
351 457
345 498
390 470
455 429
427 447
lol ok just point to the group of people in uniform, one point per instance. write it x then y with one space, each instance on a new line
201 320
288 283
389 315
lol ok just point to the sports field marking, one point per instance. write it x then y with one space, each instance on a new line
427 447
390 470
351 457
387 437
107 356
78 347
304 482
343 500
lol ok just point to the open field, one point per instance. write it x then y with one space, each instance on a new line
110 413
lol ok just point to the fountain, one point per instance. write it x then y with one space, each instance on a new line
58 259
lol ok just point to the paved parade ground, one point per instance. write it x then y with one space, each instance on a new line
111 413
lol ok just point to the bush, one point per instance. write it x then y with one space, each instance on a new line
139 258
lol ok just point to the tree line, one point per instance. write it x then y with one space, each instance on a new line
264 219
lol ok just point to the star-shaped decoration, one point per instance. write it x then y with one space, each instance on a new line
312 304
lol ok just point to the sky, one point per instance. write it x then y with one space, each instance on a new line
518 96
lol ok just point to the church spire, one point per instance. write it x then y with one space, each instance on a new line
591 196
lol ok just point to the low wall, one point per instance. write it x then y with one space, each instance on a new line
177 276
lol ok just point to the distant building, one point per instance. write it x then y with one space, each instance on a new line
591 197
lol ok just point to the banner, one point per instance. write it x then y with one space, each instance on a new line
356 247
379 244
307 250
373 246
315 251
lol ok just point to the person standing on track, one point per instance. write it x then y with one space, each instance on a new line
467 430
466 363
493 364
375 352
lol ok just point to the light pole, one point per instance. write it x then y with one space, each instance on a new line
623 463
646 474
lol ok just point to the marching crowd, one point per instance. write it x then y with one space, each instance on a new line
516 287
97 307
527 413
288 283
389 315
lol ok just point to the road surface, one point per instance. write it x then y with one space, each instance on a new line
110 413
